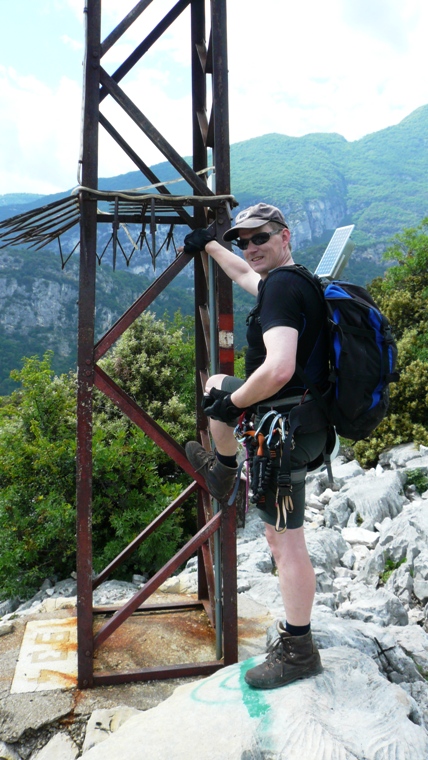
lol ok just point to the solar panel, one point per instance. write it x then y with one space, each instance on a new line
337 253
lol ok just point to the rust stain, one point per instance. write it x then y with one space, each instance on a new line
65 679
155 639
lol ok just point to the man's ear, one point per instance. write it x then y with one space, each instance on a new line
286 235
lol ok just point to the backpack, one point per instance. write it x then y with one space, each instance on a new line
362 363
363 356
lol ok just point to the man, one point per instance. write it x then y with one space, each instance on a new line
286 329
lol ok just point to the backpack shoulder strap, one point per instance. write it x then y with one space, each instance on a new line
309 276
318 286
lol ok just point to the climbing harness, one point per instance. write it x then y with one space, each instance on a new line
264 446
268 440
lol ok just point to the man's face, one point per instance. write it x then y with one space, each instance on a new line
274 253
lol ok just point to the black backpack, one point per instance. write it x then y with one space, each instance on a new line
363 356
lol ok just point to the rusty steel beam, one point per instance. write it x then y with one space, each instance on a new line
230 585
141 165
148 608
217 54
137 415
205 324
138 540
206 572
142 303
153 134
222 163
147 43
150 587
85 358
191 670
98 83
124 25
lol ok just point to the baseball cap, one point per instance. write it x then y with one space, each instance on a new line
255 216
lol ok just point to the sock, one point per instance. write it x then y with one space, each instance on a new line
297 630
227 461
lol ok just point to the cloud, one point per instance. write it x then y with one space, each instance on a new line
317 69
390 21
294 68
171 117
40 133
73 44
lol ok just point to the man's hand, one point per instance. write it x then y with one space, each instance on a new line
196 240
219 406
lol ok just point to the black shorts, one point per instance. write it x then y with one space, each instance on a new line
308 446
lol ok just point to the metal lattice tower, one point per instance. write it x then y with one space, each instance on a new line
212 294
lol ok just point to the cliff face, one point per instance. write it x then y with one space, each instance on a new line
38 307
39 303
27 302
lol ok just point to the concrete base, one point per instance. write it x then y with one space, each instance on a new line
48 656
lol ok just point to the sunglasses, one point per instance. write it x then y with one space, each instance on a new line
258 239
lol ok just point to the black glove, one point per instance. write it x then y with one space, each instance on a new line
219 406
196 240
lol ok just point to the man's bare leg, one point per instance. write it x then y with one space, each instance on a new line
294 655
295 571
222 434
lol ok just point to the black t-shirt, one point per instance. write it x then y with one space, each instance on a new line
286 298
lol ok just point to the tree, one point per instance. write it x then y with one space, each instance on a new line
403 296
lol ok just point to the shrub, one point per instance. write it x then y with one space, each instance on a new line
402 295
133 480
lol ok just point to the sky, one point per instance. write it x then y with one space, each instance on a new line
346 66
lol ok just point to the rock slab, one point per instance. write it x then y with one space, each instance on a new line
349 712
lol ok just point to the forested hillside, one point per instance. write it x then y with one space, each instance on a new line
320 181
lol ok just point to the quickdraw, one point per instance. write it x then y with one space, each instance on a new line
264 447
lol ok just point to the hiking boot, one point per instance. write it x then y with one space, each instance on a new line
289 659
217 476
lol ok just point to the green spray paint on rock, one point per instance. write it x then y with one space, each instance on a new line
231 688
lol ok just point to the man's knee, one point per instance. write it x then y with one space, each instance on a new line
289 546
214 381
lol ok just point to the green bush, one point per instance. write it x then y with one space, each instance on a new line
37 478
133 480
403 295
390 566
417 478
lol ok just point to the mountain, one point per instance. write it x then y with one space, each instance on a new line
320 181
39 307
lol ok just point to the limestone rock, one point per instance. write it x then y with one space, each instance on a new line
399 455
103 723
349 712
360 536
376 641
342 472
6 628
404 538
374 498
8 753
378 606
414 641
326 547
60 747
419 692
401 583
338 511
113 591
